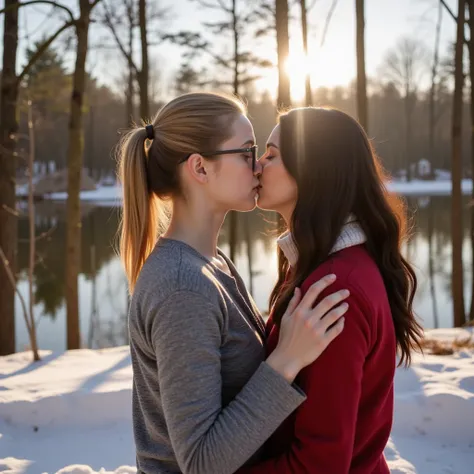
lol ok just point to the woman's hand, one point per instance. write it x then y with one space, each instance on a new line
306 331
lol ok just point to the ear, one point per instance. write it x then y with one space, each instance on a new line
197 167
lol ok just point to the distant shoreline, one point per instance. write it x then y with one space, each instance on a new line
113 194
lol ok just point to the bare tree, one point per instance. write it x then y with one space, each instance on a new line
433 89
144 75
8 129
457 278
404 66
459 311
31 216
129 6
8 158
28 313
304 31
75 163
113 18
283 50
470 21
362 111
236 65
431 264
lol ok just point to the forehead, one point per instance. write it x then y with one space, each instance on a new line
243 128
275 136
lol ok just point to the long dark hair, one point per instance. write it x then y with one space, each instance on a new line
338 173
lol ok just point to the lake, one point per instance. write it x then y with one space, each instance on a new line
103 288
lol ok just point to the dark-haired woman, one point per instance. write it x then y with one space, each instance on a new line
321 174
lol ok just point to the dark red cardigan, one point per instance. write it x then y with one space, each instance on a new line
345 423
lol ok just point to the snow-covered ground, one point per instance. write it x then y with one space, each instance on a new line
112 194
71 413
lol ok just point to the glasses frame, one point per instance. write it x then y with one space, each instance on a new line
252 149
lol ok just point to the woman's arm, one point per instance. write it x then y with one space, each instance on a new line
187 336
205 437
325 423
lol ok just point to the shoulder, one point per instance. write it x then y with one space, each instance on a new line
175 280
172 268
355 270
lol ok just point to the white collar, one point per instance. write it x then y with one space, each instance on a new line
351 235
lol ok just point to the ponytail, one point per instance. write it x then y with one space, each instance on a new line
140 222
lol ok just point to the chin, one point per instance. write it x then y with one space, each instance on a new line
246 206
263 204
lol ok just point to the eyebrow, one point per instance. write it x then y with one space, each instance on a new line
250 141
269 144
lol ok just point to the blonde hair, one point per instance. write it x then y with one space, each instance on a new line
148 171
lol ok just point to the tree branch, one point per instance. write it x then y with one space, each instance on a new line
44 46
46 2
110 25
453 16
212 6
11 278
448 8
328 21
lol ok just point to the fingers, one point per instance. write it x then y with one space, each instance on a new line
334 331
329 302
294 301
315 290
333 316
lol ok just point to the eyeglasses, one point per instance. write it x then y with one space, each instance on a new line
253 150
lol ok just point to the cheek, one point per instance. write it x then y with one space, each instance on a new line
274 175
235 180
278 185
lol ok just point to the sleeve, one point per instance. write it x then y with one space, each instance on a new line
207 438
324 431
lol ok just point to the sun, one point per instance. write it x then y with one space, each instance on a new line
297 67
325 70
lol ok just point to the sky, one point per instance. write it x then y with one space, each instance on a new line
332 64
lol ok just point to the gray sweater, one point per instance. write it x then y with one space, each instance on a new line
204 400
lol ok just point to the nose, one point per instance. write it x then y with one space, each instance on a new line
258 169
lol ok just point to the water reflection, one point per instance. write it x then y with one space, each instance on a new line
103 295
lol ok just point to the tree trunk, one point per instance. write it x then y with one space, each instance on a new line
456 212
304 30
362 111
233 222
8 216
131 72
471 75
144 75
432 100
75 160
408 133
431 267
283 49
31 219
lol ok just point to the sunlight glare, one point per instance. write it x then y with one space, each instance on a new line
297 67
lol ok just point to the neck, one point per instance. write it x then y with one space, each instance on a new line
286 215
195 224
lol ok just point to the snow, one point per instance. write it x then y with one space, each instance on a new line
112 195
427 188
71 413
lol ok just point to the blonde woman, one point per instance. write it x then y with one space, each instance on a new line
204 396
